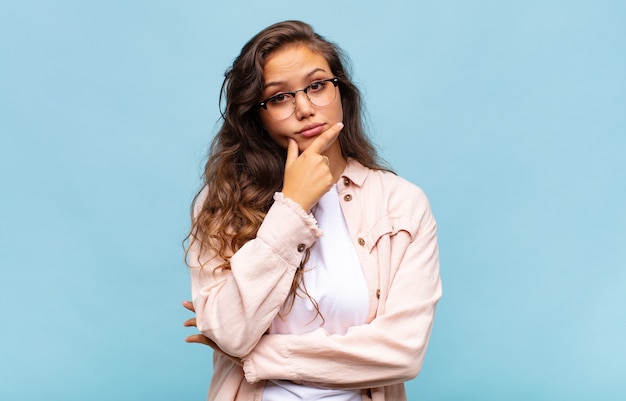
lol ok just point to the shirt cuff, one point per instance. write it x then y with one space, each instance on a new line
288 229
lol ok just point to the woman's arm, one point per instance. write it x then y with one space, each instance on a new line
388 350
235 307
201 338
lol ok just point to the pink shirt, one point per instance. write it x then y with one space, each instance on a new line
394 234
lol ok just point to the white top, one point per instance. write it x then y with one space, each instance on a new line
334 278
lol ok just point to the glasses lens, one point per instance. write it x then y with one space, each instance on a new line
321 93
281 106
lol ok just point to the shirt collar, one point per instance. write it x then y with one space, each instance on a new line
355 172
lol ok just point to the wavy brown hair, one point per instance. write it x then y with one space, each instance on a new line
245 166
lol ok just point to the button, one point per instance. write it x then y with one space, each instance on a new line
378 293
346 181
361 241
301 248
347 198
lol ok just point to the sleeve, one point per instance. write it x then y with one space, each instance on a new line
235 307
388 350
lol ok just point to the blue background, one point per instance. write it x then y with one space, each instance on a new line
511 115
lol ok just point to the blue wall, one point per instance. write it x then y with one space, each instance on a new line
511 115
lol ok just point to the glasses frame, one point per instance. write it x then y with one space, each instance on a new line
334 81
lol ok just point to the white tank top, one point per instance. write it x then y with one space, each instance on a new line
334 278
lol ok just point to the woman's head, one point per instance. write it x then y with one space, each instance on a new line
243 90
246 164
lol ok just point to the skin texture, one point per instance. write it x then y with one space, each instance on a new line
311 132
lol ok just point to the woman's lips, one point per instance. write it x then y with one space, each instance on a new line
312 130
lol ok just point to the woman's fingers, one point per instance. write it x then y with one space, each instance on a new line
200 339
292 152
307 179
189 305
195 338
325 139
189 322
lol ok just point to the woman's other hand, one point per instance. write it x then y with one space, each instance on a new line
195 338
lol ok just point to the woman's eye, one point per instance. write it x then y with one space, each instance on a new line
318 85
280 98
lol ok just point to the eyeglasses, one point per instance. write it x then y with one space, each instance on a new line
320 93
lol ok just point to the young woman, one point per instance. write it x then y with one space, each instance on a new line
314 270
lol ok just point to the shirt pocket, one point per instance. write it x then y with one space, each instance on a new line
386 226
385 254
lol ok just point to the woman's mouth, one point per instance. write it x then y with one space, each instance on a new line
311 130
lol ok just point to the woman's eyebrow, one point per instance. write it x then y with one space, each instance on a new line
279 83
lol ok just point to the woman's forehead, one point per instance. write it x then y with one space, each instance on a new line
293 62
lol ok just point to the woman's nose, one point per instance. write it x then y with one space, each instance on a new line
304 108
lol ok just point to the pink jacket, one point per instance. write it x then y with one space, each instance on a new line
394 234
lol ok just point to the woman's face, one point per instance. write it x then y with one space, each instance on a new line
288 69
